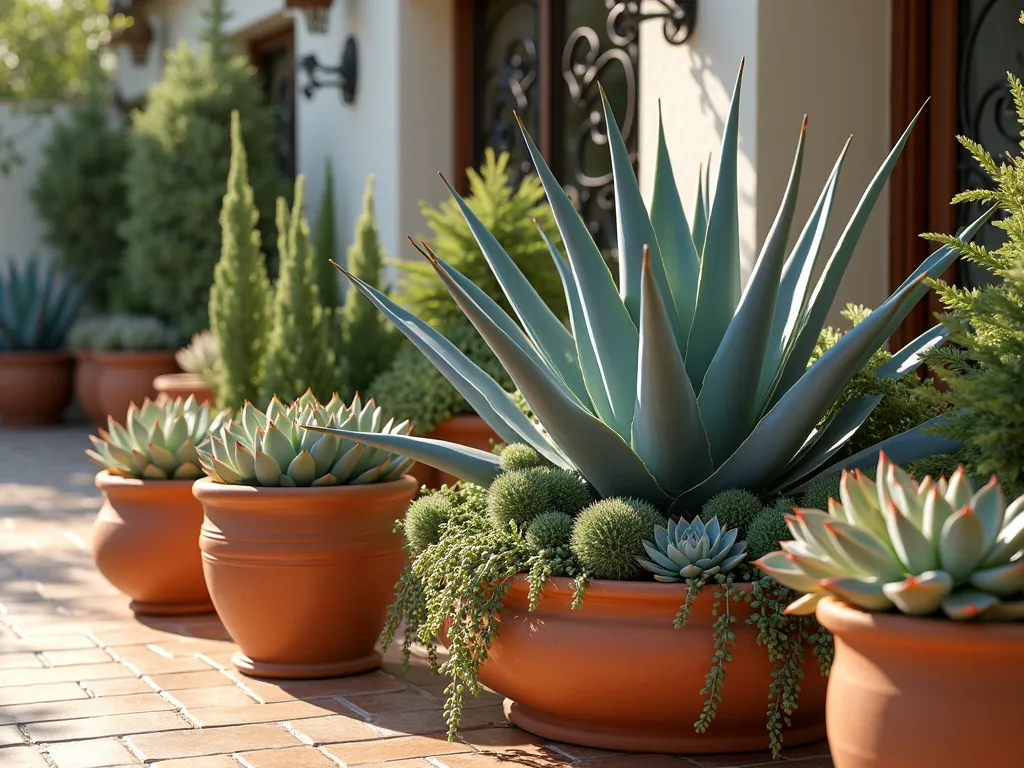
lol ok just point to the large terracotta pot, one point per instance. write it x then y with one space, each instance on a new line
302 577
466 429
127 377
146 542
87 391
182 385
35 387
616 674
922 693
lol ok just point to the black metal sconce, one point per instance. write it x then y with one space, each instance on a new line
346 72
678 17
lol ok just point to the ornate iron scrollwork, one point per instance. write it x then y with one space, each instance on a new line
678 19
346 73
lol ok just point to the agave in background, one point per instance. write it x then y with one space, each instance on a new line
680 383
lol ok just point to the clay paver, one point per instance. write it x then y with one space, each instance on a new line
91 685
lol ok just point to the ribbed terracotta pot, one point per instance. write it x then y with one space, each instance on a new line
465 429
87 391
145 541
35 387
616 674
302 577
182 385
910 692
127 377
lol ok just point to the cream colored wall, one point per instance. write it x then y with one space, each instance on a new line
827 58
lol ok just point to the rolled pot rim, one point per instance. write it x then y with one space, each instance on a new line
132 355
37 356
207 490
105 479
844 619
182 377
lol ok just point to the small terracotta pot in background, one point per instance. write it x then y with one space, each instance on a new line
466 429
615 674
35 387
127 377
182 385
906 691
302 577
87 378
145 541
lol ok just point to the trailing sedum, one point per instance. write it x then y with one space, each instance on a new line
916 547
285 446
158 441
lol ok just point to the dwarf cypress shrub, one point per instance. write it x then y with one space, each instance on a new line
179 152
327 244
240 294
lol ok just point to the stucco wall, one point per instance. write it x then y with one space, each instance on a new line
827 58
21 229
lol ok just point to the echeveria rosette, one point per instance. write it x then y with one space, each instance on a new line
920 548
158 441
281 447
682 551
676 382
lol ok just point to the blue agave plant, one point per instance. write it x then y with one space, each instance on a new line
679 383
36 309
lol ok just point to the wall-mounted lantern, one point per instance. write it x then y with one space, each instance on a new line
346 72
678 17
315 11
137 36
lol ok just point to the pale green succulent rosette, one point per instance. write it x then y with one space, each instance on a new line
283 447
919 548
678 382
682 551
158 441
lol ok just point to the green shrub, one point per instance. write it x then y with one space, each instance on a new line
123 333
608 536
768 529
179 151
567 491
80 196
327 244
508 213
414 389
549 532
369 341
985 373
518 496
734 509
424 519
820 490
299 350
240 294
519 456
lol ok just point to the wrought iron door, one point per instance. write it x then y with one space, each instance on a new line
544 60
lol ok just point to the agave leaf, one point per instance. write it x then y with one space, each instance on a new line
302 469
268 470
804 606
635 233
699 230
594 382
862 591
568 370
781 433
1009 542
163 459
613 335
224 472
1003 580
599 453
397 469
909 358
989 505
667 431
959 490
546 331
915 551
793 293
486 396
828 284
865 550
277 444
962 544
718 291
905 447
678 253
345 466
828 441
324 451
244 462
728 399
786 572
467 463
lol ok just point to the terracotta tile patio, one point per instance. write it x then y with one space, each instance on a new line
83 684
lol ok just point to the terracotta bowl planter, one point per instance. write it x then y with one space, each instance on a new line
146 542
127 377
909 692
302 577
35 387
617 675
466 429
87 391
182 385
